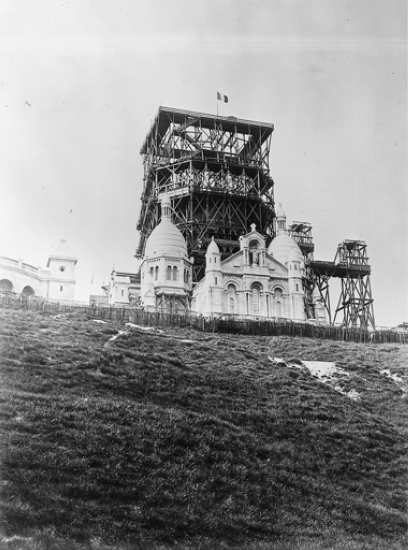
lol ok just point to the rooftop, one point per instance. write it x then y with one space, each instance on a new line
166 115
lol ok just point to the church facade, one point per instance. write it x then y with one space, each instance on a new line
257 282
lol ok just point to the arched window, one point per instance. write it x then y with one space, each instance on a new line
156 273
168 273
7 285
278 292
151 272
231 298
175 273
28 291
255 300
256 289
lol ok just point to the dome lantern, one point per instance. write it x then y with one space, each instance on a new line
281 220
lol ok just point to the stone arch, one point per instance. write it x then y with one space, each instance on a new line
28 291
254 244
231 288
6 284
232 281
257 285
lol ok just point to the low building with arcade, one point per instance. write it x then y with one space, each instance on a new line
55 282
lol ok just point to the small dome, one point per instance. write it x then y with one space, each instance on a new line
282 247
213 247
165 240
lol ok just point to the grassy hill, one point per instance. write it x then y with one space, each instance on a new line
149 440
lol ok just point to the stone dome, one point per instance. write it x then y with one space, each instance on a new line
166 239
294 254
282 247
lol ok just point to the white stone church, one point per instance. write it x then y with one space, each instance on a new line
257 282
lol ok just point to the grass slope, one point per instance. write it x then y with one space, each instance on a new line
152 439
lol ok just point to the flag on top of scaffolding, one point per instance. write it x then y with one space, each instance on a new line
222 97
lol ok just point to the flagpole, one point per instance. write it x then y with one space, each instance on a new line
217 104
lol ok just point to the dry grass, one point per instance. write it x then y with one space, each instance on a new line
148 440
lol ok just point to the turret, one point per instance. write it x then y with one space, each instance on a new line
295 267
213 275
61 264
213 258
166 269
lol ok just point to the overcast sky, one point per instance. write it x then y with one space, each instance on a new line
80 82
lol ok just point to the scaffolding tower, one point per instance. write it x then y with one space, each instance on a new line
351 266
301 233
216 172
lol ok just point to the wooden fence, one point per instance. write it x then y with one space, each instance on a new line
189 319
306 330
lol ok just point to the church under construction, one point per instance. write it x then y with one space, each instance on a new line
212 242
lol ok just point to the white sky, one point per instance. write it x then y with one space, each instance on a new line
331 76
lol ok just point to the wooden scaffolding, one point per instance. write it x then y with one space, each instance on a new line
350 265
216 172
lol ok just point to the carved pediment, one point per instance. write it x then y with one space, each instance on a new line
236 260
